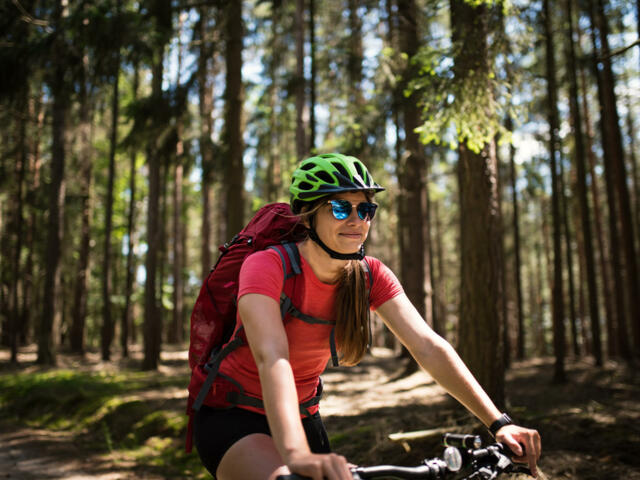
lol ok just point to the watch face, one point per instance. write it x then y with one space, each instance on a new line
453 459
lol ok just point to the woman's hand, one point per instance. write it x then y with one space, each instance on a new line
524 442
320 466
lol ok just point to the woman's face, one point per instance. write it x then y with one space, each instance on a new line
343 236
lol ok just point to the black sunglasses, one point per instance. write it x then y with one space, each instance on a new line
341 209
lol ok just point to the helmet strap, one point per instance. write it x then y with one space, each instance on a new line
359 255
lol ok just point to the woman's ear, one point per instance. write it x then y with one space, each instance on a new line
306 219
307 213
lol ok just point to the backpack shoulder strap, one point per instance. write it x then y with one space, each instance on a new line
287 307
290 252
367 269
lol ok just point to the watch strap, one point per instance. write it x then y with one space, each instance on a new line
503 420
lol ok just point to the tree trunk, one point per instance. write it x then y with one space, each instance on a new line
131 267
581 185
393 42
163 253
396 94
537 301
300 83
79 309
622 337
439 318
521 339
152 328
205 95
587 344
47 332
615 171
412 168
356 135
411 177
546 229
557 291
620 174
30 289
233 119
603 255
152 324
480 336
569 257
175 333
274 166
504 297
430 280
17 226
108 324
312 80
633 161
5 274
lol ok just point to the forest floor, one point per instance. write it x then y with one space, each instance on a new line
590 425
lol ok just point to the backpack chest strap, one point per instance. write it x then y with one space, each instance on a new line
286 307
239 397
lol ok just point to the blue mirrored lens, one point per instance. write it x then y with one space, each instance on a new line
341 209
366 210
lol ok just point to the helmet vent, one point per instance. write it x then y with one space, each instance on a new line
363 176
341 169
325 177
305 186
307 166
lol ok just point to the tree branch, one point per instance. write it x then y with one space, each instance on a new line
27 17
619 51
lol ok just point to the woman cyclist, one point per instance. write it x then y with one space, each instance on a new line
332 194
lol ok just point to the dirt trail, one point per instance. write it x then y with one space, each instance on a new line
40 454
590 426
34 454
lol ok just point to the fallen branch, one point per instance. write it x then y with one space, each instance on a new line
419 434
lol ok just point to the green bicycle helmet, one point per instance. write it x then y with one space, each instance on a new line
328 174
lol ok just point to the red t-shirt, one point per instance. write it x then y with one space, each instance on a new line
309 344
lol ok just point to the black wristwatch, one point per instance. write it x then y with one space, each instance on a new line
499 423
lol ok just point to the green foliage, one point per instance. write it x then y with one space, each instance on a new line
505 4
456 109
122 413
59 399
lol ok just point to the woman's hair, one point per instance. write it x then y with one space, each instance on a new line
352 313
352 301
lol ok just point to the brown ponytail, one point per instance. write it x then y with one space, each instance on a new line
352 314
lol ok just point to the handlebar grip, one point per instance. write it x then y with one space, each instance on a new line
510 453
462 440
292 476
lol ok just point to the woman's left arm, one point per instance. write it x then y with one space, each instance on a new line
434 354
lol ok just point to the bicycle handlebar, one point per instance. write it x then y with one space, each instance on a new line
463 459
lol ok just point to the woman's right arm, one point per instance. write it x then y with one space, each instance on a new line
268 342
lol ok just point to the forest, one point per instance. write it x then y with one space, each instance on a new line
140 136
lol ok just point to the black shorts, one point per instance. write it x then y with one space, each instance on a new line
215 430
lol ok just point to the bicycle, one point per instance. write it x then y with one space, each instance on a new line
464 458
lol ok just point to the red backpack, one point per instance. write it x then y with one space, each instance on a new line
213 319
214 315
